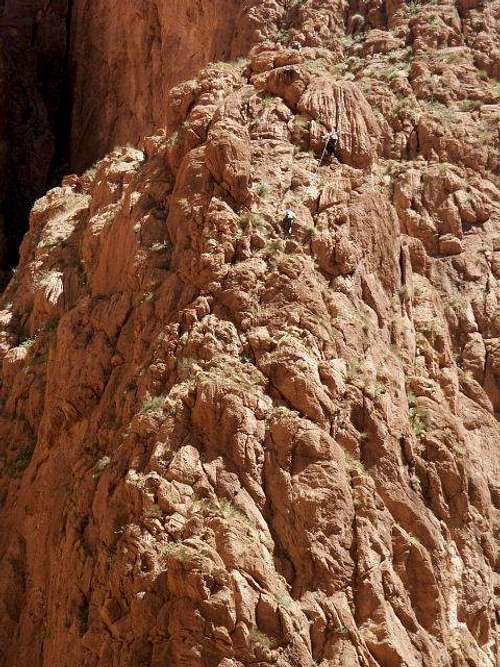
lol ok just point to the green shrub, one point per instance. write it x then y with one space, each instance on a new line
314 66
415 416
224 508
178 548
417 425
283 36
413 7
354 464
273 247
50 243
256 636
154 404
252 218
311 233
262 189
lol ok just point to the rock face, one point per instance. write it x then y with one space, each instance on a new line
130 54
223 445
33 40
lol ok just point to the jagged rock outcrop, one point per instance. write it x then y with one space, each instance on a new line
223 445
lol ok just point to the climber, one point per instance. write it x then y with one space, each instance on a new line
296 46
288 220
331 141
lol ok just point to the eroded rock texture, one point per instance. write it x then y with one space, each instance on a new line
223 446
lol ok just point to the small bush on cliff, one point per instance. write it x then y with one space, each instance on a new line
252 218
415 416
413 7
224 508
273 247
256 636
262 190
178 548
301 121
154 404
100 467
354 464
283 36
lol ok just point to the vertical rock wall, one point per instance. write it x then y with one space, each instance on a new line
225 445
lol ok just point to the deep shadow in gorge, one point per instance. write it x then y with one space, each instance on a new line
34 38
60 117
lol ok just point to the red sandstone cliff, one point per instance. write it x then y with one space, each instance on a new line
222 446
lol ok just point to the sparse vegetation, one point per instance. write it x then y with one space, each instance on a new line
21 461
154 404
27 343
346 41
174 137
284 600
354 370
273 247
413 7
354 464
314 66
225 508
176 547
256 636
301 121
91 172
100 467
252 218
415 416
283 36
153 512
50 243
262 189
311 233
160 246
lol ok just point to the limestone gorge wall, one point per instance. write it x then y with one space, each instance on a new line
221 446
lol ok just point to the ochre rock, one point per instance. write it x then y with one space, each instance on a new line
342 105
225 443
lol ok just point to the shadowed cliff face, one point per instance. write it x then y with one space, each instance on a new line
127 55
33 40
223 444
80 78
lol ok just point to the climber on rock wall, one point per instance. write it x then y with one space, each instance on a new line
332 140
288 220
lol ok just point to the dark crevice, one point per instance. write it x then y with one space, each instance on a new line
36 119
60 165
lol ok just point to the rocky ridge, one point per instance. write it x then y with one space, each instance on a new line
224 446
